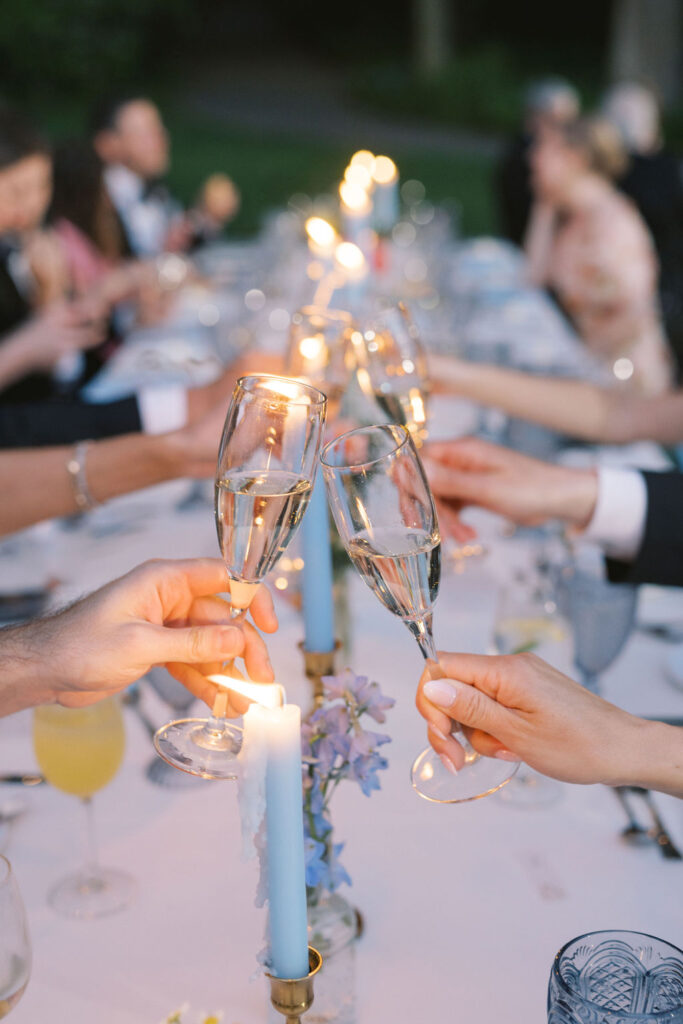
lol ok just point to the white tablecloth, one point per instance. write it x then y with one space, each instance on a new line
465 906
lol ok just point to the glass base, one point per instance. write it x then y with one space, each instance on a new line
194 745
479 777
91 894
530 789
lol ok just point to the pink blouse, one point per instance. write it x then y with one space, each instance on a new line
86 265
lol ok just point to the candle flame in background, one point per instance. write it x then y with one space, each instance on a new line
310 348
287 389
268 695
417 407
363 158
349 257
354 197
357 174
384 170
320 232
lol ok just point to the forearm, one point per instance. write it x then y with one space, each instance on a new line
38 486
24 669
652 757
16 357
571 407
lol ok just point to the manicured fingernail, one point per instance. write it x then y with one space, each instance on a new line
437 732
507 755
440 692
448 764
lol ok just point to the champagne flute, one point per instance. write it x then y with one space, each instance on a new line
266 465
79 751
320 351
15 943
392 368
386 518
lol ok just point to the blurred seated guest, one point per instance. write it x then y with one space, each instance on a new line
43 483
654 181
588 244
575 408
520 708
547 103
161 613
152 410
633 516
129 136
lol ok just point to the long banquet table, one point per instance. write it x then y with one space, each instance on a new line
464 906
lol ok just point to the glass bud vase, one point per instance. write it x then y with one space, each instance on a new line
333 927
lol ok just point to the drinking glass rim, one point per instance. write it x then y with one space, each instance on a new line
364 430
317 397
591 935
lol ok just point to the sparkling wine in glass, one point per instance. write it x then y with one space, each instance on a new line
385 515
79 751
392 368
15 943
266 465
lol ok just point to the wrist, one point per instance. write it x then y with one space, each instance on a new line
575 495
656 757
28 667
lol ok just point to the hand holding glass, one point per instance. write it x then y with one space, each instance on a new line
266 465
386 518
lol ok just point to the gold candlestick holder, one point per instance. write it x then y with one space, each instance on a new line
316 665
292 997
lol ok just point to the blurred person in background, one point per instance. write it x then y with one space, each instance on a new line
654 181
588 244
547 103
34 410
130 137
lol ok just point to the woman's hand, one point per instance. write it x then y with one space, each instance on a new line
517 707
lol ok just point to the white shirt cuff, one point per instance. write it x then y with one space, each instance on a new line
618 523
162 409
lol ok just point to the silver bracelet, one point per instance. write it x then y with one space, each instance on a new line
75 467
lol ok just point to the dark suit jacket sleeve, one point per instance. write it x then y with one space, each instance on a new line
660 558
53 422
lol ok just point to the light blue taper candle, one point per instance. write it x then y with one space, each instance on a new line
318 598
285 838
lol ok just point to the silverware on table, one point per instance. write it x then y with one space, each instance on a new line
28 779
670 632
635 833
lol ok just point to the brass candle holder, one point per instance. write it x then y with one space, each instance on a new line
316 665
293 997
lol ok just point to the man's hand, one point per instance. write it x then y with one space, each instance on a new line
162 613
519 708
528 491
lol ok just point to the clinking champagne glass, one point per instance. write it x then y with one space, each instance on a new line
79 751
320 351
392 368
385 515
15 943
266 465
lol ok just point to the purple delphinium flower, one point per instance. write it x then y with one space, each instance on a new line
334 747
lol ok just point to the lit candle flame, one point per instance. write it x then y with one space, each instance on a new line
350 257
357 174
354 198
384 170
320 232
363 158
310 348
269 695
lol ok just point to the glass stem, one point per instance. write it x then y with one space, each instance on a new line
92 860
422 631
591 681
216 723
